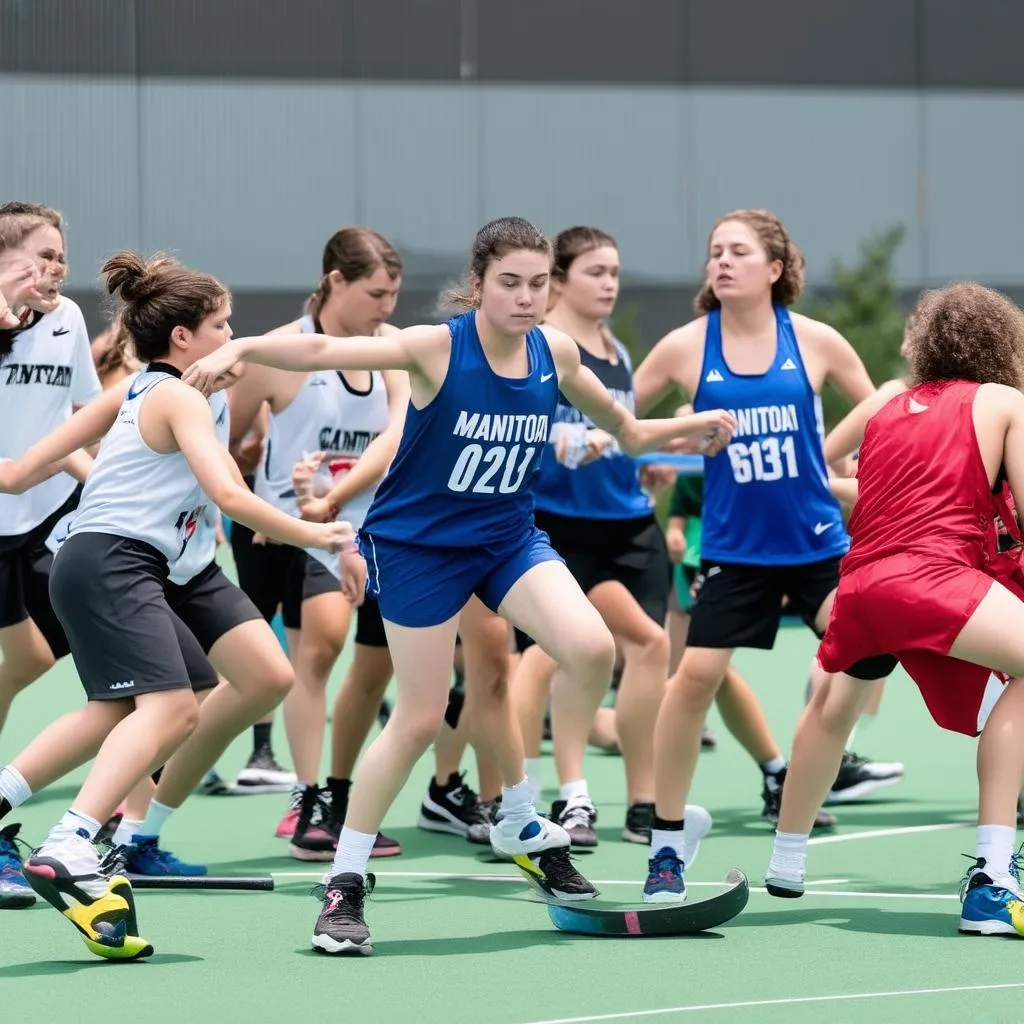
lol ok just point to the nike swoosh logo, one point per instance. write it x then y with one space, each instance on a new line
545 377
820 528
132 393
57 333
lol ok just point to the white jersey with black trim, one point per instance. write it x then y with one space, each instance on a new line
135 492
49 369
326 415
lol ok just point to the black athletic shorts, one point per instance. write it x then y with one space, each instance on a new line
210 605
741 605
278 576
17 555
631 552
108 593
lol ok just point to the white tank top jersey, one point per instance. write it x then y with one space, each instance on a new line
49 369
135 492
327 415
201 550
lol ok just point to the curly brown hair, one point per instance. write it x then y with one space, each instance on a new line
777 246
966 331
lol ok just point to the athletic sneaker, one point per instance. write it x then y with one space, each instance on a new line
639 822
487 812
286 827
15 892
991 906
143 856
66 871
665 878
262 774
771 794
578 817
453 808
313 838
859 778
708 740
541 849
212 785
341 927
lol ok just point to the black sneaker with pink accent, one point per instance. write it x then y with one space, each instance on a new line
341 928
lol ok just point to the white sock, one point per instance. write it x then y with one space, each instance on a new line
995 847
13 787
569 790
125 831
671 838
533 774
789 855
353 854
517 802
73 821
156 818
773 767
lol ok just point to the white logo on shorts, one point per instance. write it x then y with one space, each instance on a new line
820 528
127 684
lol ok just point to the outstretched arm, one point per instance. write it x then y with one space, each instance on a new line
47 457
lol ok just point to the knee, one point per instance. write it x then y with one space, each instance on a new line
318 658
697 681
652 648
418 728
185 718
25 668
593 653
276 682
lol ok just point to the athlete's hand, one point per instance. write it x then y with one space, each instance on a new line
654 479
353 577
705 433
334 537
598 442
215 371
676 544
304 475
19 279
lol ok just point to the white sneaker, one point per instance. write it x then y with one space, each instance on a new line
512 837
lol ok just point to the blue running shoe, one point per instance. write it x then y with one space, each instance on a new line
992 906
665 878
15 892
144 857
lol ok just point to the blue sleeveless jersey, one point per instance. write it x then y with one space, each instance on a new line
464 472
766 497
607 488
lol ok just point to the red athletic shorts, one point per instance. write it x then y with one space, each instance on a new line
913 608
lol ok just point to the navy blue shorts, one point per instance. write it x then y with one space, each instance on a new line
419 586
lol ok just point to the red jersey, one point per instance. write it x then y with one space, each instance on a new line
922 485
925 548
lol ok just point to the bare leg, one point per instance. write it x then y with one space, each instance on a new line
356 707
26 656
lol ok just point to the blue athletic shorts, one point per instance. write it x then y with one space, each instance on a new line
418 586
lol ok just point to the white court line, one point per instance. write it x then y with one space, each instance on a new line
882 833
632 1014
828 881
845 893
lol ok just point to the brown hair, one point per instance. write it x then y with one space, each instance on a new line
966 332
777 246
572 243
494 240
355 253
18 220
156 297
114 355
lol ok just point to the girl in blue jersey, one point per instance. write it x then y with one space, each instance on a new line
454 518
771 528
601 521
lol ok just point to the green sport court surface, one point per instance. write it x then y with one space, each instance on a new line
458 940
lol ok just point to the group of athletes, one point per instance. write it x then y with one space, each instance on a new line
469 492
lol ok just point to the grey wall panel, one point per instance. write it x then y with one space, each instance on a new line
242 38
834 167
406 39
580 40
248 181
837 43
85 162
91 37
974 199
419 173
614 158
972 46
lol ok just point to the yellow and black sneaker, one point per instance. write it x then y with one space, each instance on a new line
67 873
